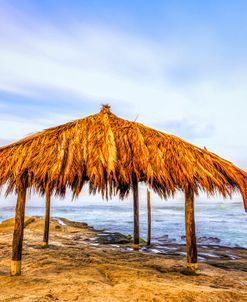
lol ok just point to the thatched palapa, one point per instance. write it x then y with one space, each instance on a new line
109 153
113 155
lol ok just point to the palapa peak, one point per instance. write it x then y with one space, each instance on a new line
105 108
110 154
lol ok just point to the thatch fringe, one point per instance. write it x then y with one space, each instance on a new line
107 151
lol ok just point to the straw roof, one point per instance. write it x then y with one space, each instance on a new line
110 154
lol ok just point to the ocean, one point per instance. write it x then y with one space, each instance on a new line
222 223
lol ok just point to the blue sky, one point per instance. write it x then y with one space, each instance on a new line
180 66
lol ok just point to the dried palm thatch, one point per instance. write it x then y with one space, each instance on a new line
111 153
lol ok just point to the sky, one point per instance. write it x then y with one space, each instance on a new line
178 66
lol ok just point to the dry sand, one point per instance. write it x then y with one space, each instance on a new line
73 269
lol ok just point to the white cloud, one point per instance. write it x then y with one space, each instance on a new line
102 64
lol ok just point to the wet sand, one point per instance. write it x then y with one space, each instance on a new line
76 267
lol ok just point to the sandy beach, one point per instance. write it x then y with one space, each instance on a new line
77 268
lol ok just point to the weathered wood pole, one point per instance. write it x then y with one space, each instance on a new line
136 214
45 242
149 217
15 269
190 230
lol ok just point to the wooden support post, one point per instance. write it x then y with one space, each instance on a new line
149 218
15 269
190 230
136 215
47 219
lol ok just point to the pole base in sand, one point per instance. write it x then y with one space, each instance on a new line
192 266
45 244
135 246
15 268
